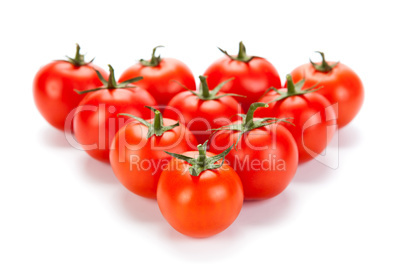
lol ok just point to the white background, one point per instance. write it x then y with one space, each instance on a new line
62 211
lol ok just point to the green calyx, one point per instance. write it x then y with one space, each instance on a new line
293 89
205 94
202 162
324 66
157 128
111 83
248 123
154 60
241 56
79 59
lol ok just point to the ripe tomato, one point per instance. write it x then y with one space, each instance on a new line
197 197
203 110
253 76
163 78
341 85
95 120
312 115
137 155
265 155
54 86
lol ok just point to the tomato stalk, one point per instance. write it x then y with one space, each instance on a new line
290 84
154 60
204 89
111 83
79 59
249 124
293 89
202 162
202 158
156 128
158 120
205 94
249 120
324 66
241 56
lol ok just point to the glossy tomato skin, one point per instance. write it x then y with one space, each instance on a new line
199 206
313 117
340 85
96 122
160 81
54 86
266 159
138 162
251 79
201 115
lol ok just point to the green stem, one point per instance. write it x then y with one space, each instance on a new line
111 83
202 162
204 93
156 128
324 62
204 87
242 52
158 122
324 66
241 56
290 85
250 113
77 52
202 158
293 89
79 59
154 60
248 122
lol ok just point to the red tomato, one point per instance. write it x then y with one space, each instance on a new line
311 114
95 120
199 205
265 156
253 76
341 85
203 110
54 86
137 155
163 78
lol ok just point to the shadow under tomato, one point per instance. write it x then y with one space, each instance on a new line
234 238
312 171
265 212
349 137
139 208
214 248
99 172
54 138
